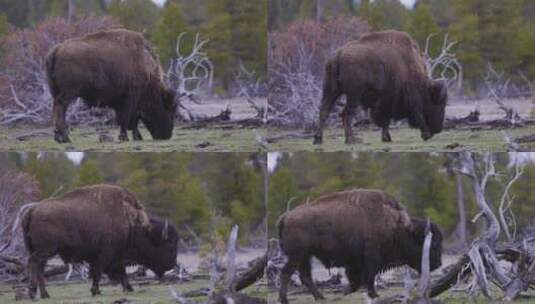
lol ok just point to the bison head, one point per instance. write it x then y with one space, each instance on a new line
436 106
158 247
159 117
415 248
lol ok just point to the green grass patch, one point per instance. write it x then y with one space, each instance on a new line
152 293
87 139
403 140
450 297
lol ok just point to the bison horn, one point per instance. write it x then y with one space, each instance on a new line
165 231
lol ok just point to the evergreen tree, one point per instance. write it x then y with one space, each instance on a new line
168 27
136 15
237 33
89 174
421 24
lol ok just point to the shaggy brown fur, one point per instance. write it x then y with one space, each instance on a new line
386 73
365 231
103 225
116 69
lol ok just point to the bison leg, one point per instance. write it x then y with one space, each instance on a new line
95 272
135 131
285 276
122 134
41 277
306 278
354 278
347 117
60 125
327 104
123 278
385 136
370 282
122 121
33 269
425 133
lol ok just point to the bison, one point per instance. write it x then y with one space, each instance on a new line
385 73
103 225
116 69
364 231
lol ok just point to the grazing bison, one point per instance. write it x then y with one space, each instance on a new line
116 69
364 231
102 225
385 73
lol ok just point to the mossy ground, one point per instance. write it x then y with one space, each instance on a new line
403 140
152 293
87 139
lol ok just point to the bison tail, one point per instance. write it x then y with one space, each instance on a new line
50 74
22 220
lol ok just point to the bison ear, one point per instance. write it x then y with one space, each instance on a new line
165 231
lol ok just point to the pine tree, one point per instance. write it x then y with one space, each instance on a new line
168 27
136 15
421 24
89 174
237 33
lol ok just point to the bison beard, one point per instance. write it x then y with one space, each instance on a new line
364 231
102 225
116 69
385 73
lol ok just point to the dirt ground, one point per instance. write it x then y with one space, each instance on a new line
146 291
185 138
405 139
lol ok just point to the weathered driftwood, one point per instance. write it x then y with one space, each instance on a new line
250 276
222 120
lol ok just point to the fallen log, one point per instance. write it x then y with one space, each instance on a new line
453 274
254 273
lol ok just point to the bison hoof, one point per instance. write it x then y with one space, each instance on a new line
123 137
61 137
426 136
129 288
353 140
318 140
386 138
137 136
95 291
45 295
348 290
31 294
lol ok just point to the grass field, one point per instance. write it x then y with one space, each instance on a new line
451 297
147 291
403 140
153 293
408 140
87 139
212 139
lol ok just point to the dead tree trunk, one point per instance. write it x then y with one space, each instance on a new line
482 259
461 226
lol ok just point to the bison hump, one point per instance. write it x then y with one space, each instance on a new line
108 198
363 203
